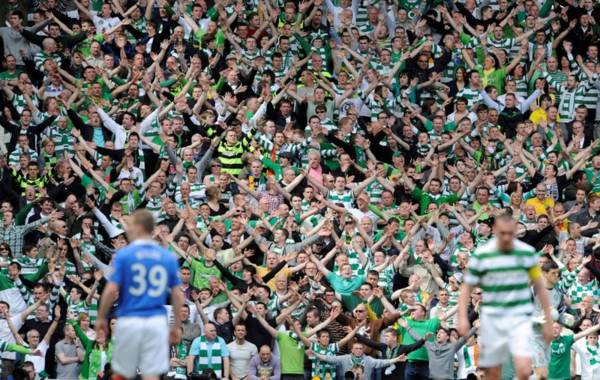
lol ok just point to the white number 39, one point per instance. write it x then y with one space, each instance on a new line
154 281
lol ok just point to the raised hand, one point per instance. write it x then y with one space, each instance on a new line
401 358
57 312
402 322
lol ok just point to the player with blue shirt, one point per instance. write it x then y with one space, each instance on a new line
144 275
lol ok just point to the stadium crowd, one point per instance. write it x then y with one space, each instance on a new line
324 169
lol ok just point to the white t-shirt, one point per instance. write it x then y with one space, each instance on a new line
7 336
239 356
588 371
104 24
39 362
463 371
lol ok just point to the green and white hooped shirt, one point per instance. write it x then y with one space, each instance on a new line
503 277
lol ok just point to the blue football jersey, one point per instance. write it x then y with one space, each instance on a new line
145 273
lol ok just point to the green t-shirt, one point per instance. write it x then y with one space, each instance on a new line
560 358
425 199
293 352
219 298
421 328
343 286
201 274
494 78
5 75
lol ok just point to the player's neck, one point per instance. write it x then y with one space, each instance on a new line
505 248
143 238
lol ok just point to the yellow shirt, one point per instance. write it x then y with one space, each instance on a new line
486 77
263 271
538 116
540 206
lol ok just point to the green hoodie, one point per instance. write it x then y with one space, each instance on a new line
92 362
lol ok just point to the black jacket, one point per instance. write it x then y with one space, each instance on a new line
32 132
297 116
508 120
87 131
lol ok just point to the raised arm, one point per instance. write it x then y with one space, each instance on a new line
320 265
349 336
262 321
83 9
246 189
361 186
515 61
586 332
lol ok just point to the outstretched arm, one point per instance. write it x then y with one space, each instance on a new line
363 184
586 332
348 337
263 322
320 265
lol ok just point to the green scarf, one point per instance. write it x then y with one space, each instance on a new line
391 353
467 356
593 350
181 354
357 360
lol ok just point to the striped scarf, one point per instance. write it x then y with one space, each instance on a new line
141 161
93 310
116 222
210 357
423 149
154 205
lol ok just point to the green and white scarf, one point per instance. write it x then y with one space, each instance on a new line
141 161
593 350
130 202
210 359
357 360
466 356
179 352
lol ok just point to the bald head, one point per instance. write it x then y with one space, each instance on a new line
265 353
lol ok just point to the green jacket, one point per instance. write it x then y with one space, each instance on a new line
92 362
